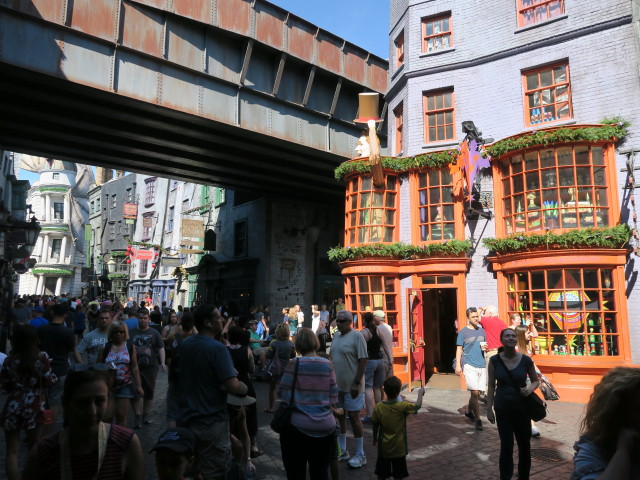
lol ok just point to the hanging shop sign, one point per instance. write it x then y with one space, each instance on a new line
195 243
171 262
138 254
130 210
192 232
191 252
147 222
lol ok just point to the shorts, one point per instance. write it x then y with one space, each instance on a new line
475 377
148 380
375 373
126 391
55 392
213 447
391 467
350 404
259 351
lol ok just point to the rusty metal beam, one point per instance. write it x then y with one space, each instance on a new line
276 83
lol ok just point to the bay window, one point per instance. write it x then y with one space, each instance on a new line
555 188
371 213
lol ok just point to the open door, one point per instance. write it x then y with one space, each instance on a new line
416 339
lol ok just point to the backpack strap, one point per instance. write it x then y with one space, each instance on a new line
107 349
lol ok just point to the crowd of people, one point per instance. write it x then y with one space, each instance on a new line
96 363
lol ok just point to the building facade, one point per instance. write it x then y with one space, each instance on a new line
15 247
59 200
549 231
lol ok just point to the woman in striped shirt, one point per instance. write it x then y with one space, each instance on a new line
310 437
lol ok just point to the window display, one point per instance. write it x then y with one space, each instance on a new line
573 309
436 205
370 293
371 213
555 188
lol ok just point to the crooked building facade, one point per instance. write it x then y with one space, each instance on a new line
539 78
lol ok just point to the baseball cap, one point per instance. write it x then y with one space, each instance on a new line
178 439
378 313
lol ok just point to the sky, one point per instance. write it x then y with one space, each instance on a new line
365 24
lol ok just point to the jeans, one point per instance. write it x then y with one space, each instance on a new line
299 449
510 423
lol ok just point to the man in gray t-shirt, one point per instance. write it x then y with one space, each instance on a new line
88 348
349 357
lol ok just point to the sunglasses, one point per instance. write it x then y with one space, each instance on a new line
119 331
83 367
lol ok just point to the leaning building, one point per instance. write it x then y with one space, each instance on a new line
549 229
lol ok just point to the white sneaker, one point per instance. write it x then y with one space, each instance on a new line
344 456
357 461
535 433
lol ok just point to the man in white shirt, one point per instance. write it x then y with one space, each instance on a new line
387 339
300 316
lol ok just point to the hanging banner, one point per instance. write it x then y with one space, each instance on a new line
137 254
130 210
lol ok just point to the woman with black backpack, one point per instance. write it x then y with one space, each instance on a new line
120 355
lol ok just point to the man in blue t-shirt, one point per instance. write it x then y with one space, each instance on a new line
202 373
471 344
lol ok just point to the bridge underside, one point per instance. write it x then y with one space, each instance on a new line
51 117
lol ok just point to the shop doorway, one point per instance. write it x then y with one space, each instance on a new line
433 336
440 328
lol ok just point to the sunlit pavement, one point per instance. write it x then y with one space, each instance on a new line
443 444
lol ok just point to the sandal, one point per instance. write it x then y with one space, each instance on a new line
256 453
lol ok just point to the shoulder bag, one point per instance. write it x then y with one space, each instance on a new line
535 406
282 417
274 368
546 387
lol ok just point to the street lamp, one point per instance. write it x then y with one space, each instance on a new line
32 230
111 265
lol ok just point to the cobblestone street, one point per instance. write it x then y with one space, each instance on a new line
442 442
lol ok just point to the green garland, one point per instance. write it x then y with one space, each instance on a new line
55 229
51 271
53 189
117 276
401 251
118 254
611 128
613 237
399 164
